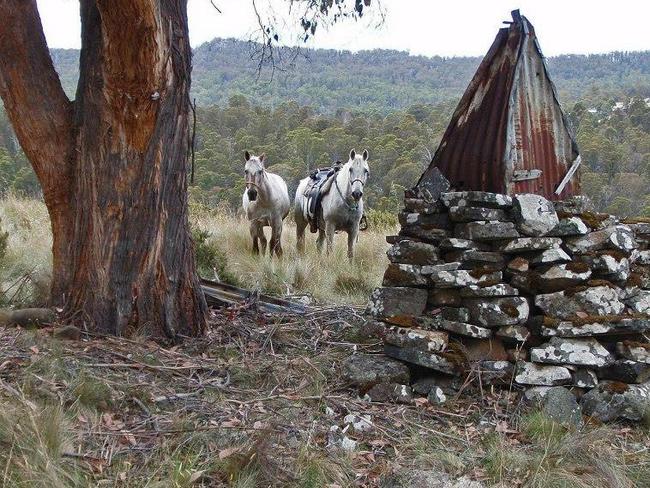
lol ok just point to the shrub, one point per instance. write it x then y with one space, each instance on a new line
210 260
381 220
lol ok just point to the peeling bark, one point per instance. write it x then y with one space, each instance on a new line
113 165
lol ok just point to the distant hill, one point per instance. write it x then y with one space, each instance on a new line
379 80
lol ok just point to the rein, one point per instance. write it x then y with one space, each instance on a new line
351 208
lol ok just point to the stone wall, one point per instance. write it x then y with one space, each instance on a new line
520 292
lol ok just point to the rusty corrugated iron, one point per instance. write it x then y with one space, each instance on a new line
509 125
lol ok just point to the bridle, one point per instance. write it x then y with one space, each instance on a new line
252 183
352 207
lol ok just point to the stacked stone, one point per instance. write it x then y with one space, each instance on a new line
525 291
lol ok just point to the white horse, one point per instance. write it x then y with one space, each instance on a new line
266 203
342 204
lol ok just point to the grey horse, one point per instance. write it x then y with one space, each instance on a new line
266 203
342 204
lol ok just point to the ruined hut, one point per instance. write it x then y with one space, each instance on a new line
509 134
500 274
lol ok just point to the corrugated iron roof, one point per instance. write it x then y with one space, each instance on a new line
509 126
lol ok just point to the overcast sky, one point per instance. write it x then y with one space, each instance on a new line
428 27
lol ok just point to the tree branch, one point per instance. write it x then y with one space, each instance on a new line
37 106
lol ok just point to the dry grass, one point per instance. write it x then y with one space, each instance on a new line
25 270
326 278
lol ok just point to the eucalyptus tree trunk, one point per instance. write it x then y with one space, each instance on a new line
113 163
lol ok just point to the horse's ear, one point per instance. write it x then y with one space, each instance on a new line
353 154
365 155
247 155
263 158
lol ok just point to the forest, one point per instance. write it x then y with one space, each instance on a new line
314 109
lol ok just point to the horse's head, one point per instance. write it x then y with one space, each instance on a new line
359 173
254 174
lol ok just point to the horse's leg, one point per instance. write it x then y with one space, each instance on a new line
329 236
254 233
301 225
300 237
320 240
276 237
352 238
262 237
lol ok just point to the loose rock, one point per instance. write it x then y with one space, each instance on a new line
560 405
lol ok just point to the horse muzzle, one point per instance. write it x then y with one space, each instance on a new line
356 194
252 194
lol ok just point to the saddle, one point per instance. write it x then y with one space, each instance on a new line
320 182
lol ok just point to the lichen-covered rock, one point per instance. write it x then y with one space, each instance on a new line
641 257
561 276
422 358
514 333
469 214
618 237
436 396
460 278
434 185
390 393
535 394
597 300
420 205
486 231
455 244
626 371
473 258
635 351
431 234
499 290
575 205
534 214
464 329
567 328
577 352
366 370
427 340
409 219
585 378
496 372
550 256
541 374
640 302
612 400
495 312
476 199
404 275
560 405
399 304
413 252
572 226
528 244
616 268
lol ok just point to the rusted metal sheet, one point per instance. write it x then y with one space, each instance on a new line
509 122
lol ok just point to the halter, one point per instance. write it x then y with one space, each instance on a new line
255 184
351 208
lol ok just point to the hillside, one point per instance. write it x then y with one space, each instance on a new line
376 80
